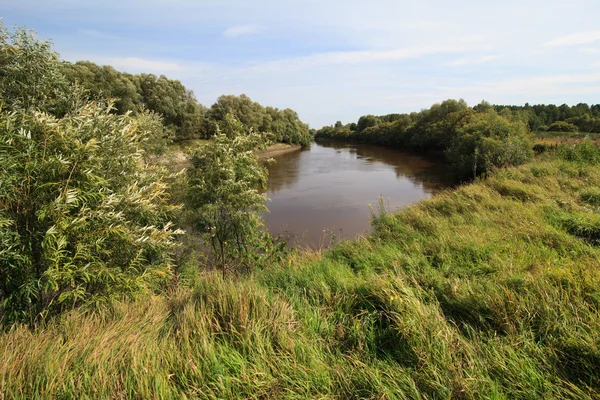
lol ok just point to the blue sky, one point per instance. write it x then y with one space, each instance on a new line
337 60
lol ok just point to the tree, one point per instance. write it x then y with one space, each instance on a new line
83 218
489 141
178 106
104 82
562 126
366 121
284 125
30 76
223 200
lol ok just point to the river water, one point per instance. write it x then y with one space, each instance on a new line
324 193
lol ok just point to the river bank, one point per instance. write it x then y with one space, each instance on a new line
176 156
489 290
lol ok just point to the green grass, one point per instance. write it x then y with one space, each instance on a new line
491 290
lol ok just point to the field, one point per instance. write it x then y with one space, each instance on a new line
558 138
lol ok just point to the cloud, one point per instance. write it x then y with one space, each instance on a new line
535 86
338 59
96 34
472 60
589 50
365 56
140 64
574 39
241 30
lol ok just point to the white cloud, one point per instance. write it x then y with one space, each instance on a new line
589 50
140 64
534 86
472 60
338 59
574 39
365 56
241 30
96 34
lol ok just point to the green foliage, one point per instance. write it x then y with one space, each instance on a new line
284 125
175 104
156 135
104 82
366 121
223 199
585 152
83 218
30 75
181 114
474 140
489 141
562 126
542 117
476 293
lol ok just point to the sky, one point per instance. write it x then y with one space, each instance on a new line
337 60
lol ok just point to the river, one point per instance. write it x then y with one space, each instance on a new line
325 193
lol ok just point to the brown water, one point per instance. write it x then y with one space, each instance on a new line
325 192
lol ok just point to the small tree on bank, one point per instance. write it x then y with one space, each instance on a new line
223 198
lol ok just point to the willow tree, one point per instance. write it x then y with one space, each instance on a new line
83 218
30 76
223 198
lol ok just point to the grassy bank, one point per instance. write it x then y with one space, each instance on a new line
491 290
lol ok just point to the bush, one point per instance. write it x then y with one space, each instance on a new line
489 141
82 218
562 126
585 152
30 76
223 200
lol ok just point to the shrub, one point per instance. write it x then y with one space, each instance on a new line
489 141
82 218
562 126
223 198
585 152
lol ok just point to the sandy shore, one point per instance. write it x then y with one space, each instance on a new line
176 157
278 149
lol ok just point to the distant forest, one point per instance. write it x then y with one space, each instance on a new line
549 117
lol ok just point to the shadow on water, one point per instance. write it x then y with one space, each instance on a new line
326 191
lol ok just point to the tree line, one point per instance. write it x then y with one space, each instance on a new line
183 117
474 140
551 118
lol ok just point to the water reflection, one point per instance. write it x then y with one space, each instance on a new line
329 188
284 172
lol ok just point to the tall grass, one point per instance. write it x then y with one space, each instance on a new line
491 290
